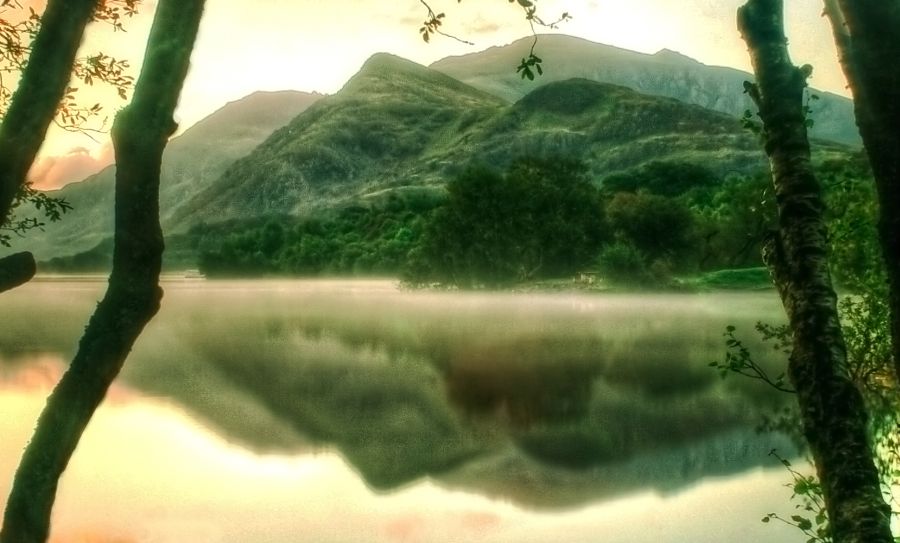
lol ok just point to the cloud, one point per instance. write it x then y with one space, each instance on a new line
483 26
53 172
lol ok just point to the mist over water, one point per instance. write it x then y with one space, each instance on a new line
545 402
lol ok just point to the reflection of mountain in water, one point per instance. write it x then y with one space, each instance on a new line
666 468
546 400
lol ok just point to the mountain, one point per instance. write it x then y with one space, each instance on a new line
398 126
390 123
401 129
192 161
666 73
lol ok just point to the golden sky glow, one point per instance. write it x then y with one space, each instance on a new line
311 45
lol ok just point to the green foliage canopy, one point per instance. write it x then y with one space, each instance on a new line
539 218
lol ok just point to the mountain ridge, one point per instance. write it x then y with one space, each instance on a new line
400 127
397 124
390 111
664 73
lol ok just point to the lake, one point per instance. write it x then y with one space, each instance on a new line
351 410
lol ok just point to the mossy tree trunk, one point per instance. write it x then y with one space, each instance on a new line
140 134
867 35
832 410
41 88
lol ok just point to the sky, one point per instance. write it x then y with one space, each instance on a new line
312 45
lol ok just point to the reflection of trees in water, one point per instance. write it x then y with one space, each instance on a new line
543 404
400 408
523 383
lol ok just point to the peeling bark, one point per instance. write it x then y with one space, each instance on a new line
867 35
140 134
16 269
832 409
41 87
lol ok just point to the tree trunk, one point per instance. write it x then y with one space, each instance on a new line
832 410
140 134
867 34
41 87
16 269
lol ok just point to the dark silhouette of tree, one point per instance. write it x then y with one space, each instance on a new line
43 94
868 43
140 134
832 410
658 226
42 86
540 218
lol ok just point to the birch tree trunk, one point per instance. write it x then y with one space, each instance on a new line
867 35
832 410
140 134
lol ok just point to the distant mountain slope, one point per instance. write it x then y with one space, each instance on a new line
614 128
398 124
191 162
401 128
665 73
389 123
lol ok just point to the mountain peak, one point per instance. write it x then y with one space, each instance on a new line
387 74
386 69
673 56
387 61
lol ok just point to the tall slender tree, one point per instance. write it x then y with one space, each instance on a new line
140 134
832 410
867 35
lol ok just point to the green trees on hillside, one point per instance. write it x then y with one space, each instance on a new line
665 178
539 218
659 227
354 240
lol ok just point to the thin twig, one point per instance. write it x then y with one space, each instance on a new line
432 24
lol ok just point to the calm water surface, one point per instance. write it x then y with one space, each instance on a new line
320 411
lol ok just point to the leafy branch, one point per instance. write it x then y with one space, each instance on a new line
813 520
52 209
432 25
739 360
18 29
530 64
